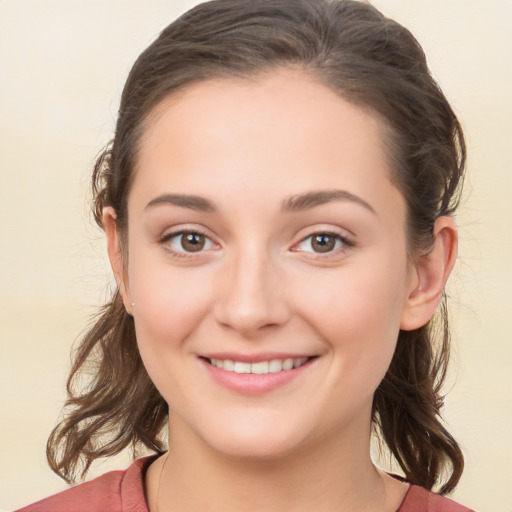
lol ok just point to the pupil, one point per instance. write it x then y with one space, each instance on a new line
323 243
192 242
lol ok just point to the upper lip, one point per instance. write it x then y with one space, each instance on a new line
253 358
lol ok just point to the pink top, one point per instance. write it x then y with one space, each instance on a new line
123 491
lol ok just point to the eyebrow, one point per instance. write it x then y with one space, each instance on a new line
295 203
316 198
186 201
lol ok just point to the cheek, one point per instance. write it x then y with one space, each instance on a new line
169 305
357 311
355 300
170 301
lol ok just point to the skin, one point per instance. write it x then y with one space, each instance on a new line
260 286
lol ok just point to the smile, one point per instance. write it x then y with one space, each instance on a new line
256 374
259 368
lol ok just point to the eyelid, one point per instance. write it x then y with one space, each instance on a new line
346 240
181 230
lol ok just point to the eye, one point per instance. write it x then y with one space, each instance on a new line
322 243
187 242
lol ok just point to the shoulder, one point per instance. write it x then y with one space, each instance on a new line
116 491
418 499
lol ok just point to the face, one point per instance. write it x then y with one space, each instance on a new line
267 262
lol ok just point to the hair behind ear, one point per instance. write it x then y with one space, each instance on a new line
407 407
432 270
119 407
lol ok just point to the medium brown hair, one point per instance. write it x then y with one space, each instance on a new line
367 59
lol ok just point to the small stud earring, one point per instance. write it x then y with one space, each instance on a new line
132 304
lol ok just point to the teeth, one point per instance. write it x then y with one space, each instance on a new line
261 368
288 364
299 361
275 366
228 365
242 367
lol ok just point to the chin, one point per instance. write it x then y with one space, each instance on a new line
254 444
255 452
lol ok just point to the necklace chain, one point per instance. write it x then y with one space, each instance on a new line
159 481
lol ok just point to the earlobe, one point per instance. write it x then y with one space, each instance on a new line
431 272
115 255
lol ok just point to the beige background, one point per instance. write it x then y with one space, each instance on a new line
62 67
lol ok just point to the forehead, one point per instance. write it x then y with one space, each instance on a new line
271 100
282 132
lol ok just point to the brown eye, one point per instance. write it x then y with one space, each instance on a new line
192 242
323 242
187 242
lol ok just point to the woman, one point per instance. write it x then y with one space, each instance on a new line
278 202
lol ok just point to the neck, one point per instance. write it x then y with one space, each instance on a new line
335 475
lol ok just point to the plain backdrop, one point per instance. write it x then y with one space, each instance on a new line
62 67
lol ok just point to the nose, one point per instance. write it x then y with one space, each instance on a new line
252 295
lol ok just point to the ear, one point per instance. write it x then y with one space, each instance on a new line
116 256
429 276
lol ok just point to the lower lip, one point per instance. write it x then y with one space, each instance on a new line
252 383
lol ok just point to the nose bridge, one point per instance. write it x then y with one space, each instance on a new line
251 296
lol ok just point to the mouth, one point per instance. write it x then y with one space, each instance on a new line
264 367
256 374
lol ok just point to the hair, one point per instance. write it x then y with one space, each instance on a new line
367 59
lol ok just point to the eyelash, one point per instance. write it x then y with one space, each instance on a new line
346 242
164 240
